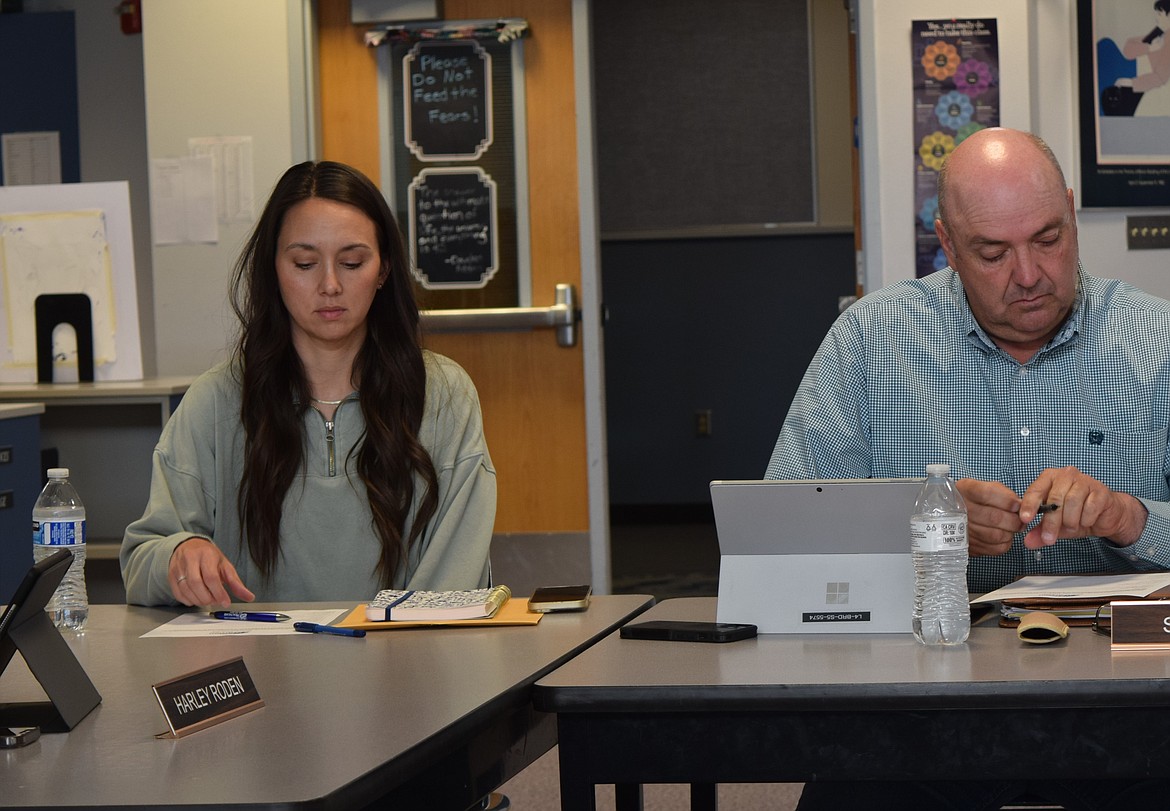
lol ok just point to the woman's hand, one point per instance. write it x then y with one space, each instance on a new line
199 573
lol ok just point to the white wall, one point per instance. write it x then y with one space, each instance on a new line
1038 92
219 67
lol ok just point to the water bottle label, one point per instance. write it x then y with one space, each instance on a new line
58 533
939 535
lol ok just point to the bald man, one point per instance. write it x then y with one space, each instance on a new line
1037 382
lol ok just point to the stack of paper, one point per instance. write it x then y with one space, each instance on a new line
1074 598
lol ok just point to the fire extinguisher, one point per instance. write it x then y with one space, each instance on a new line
130 14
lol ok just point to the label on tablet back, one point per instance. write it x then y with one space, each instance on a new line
59 533
938 535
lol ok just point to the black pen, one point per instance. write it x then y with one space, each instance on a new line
1041 510
251 616
314 628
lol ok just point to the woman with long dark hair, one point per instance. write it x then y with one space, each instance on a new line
331 456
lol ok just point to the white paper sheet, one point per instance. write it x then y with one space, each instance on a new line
231 158
1078 587
202 624
31 158
182 200
57 252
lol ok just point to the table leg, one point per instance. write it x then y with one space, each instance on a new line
704 797
627 797
578 792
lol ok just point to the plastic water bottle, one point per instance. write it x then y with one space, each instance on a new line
59 523
938 543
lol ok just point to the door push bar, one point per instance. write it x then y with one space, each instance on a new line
561 316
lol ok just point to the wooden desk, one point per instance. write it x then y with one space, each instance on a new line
793 708
105 433
430 719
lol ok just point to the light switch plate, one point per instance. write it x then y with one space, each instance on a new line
1146 232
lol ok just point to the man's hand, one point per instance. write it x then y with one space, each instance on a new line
993 516
198 573
1085 507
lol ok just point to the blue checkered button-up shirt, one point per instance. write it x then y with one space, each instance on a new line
906 377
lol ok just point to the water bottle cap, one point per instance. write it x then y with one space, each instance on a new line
58 473
938 470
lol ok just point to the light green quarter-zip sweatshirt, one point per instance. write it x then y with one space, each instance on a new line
329 548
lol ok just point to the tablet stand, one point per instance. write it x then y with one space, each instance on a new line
27 627
71 693
52 309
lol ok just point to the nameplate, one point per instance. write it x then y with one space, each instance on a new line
1141 624
207 697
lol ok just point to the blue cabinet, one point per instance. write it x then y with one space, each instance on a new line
20 483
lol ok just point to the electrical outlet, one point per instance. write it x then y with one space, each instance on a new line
1147 232
703 422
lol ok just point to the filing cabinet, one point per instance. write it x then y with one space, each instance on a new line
20 483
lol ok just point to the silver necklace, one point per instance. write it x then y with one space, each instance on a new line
328 402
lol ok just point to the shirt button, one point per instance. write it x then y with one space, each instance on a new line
1025 432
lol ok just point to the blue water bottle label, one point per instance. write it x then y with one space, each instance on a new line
59 533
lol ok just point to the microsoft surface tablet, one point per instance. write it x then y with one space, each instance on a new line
816 556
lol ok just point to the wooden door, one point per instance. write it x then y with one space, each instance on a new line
532 390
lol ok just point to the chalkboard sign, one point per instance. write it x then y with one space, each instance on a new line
449 100
453 228
453 269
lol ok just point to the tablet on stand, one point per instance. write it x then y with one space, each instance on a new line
26 627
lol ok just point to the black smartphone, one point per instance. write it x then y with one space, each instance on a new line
1153 35
677 631
560 598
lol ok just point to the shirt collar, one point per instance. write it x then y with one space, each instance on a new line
978 336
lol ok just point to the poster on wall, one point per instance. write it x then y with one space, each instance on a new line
1124 90
956 93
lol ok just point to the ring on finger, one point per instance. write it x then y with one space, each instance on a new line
181 578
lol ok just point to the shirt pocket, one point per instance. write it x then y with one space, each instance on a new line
1130 460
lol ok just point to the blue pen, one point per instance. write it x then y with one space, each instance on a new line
251 616
314 628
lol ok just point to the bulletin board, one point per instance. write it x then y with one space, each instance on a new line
703 114
43 98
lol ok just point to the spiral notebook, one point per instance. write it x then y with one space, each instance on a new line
422 606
